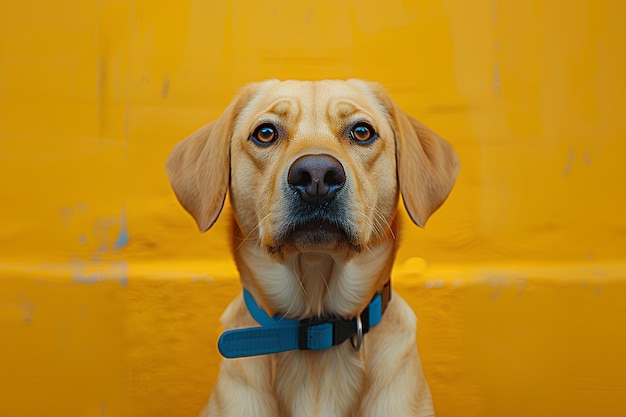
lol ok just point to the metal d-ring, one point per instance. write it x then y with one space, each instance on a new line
359 335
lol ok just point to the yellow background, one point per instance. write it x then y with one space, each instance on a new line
110 298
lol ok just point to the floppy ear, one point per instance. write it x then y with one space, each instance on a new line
199 166
427 166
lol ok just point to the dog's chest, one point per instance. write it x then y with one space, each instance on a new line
311 384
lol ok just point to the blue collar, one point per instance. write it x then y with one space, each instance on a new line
278 334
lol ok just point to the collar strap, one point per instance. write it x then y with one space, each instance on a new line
278 334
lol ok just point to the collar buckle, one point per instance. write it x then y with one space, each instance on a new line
357 339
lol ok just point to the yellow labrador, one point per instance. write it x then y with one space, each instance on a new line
315 170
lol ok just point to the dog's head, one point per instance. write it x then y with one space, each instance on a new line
313 166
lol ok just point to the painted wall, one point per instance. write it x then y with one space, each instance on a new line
109 297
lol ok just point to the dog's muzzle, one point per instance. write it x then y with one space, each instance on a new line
317 215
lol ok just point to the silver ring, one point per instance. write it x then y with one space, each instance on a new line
359 335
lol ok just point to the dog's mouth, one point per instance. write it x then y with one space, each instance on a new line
315 235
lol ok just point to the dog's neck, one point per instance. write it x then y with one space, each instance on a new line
306 285
316 272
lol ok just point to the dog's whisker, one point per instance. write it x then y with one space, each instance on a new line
294 299
329 292
380 228
377 229
381 221
295 272
291 305
247 238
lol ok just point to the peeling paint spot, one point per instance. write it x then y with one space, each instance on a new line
496 294
494 13
593 284
202 277
17 310
68 212
571 158
497 71
123 267
27 309
309 17
435 283
586 159
122 237
84 272
165 86
66 215
88 279
497 78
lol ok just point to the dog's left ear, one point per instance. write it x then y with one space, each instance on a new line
426 164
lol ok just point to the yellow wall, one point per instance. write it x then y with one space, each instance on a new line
109 297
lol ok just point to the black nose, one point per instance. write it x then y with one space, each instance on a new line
316 178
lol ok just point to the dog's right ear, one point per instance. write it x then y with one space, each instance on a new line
199 166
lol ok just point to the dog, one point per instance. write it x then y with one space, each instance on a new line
314 171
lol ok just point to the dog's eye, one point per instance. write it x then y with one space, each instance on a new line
363 134
265 134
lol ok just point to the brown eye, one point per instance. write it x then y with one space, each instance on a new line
265 134
363 134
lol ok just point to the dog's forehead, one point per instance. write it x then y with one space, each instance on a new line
332 97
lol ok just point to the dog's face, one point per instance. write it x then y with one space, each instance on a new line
313 167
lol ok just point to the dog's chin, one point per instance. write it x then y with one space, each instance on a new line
315 237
